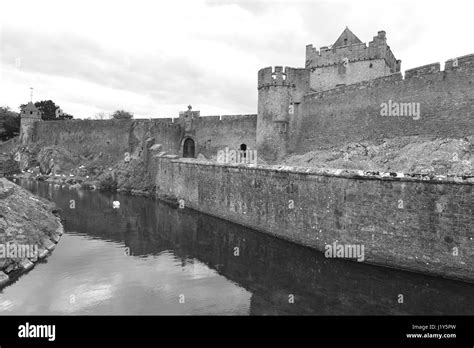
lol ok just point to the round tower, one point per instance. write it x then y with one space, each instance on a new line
279 94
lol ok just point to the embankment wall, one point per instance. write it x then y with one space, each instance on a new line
408 224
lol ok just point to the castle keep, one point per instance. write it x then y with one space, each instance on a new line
333 100
349 61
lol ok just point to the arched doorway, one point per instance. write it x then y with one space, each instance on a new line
188 148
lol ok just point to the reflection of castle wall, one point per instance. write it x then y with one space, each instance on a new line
270 268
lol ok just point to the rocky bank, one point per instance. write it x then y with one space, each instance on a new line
29 229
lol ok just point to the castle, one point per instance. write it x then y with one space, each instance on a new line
334 99
338 97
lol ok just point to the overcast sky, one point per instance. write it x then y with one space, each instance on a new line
153 58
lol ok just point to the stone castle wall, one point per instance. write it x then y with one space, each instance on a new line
330 76
402 223
214 133
115 137
353 113
111 137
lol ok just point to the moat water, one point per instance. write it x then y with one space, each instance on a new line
150 258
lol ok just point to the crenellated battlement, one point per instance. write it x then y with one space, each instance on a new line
422 70
281 76
227 118
466 61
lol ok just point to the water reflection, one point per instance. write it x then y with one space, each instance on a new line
176 252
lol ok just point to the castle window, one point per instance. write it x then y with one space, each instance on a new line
345 41
370 66
243 149
282 127
31 112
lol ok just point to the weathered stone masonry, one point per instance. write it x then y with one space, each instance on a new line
403 223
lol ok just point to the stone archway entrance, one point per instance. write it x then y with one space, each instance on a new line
188 148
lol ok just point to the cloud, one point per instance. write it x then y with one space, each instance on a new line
156 57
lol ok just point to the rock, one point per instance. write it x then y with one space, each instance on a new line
156 148
3 278
60 230
48 244
11 267
55 238
5 192
3 263
56 211
171 156
52 158
26 264
149 142
42 253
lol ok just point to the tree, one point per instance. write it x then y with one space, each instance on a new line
65 116
49 111
101 116
9 123
122 115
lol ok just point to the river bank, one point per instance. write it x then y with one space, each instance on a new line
29 230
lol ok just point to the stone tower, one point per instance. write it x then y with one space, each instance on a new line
28 118
349 61
280 92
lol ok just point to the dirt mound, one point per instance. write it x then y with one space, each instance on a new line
422 155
